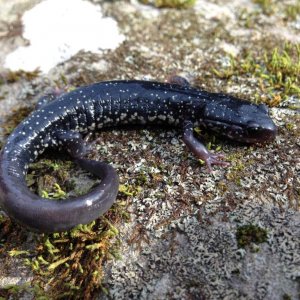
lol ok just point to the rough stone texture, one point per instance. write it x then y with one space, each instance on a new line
200 260
181 241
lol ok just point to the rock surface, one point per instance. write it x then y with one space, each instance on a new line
181 242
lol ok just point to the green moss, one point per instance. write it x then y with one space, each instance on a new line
290 126
286 297
277 72
142 178
267 6
76 257
248 19
129 190
13 253
13 291
55 192
235 272
68 263
170 3
248 234
282 71
11 77
292 11
50 178
14 119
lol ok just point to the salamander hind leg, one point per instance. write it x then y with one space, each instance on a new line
78 147
199 149
72 142
97 201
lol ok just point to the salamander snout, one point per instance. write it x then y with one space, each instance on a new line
261 132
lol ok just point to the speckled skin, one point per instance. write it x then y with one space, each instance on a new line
61 123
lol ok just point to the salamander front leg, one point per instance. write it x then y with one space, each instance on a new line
199 149
179 80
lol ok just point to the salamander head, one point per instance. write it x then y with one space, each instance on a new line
240 121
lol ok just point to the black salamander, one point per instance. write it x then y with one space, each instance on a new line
62 123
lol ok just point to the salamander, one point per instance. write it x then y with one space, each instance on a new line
62 123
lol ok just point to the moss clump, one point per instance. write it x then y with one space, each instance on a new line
282 71
170 3
11 77
50 178
13 291
71 262
14 119
248 234
277 72
129 190
292 11
266 6
67 265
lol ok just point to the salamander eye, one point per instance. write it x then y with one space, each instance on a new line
252 125
263 107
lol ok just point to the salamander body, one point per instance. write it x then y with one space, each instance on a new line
62 123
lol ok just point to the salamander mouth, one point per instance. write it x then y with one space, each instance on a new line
263 134
248 133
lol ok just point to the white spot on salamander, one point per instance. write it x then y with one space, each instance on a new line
162 117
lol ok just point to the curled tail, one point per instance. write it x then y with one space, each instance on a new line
44 215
